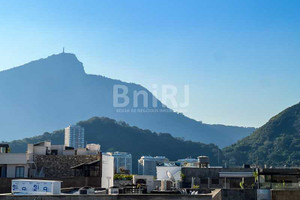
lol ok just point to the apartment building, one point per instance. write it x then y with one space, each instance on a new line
74 136
122 162
13 165
147 164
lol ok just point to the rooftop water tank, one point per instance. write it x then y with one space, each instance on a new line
203 161
35 187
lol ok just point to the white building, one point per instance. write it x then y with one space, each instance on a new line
41 148
108 172
13 165
46 148
147 164
147 180
74 136
122 161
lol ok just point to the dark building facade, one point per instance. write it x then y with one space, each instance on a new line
218 177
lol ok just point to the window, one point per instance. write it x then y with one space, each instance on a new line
3 171
215 181
20 171
204 180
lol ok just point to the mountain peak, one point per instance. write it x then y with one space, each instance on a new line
53 92
64 55
65 62
54 65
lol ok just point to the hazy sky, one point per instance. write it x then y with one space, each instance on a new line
240 58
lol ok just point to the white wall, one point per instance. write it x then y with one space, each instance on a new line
83 151
93 147
59 148
39 150
149 181
69 152
13 158
107 171
11 171
30 148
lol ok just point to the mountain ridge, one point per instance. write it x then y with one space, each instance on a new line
53 92
115 135
277 143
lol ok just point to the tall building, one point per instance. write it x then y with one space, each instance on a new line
122 162
74 137
147 164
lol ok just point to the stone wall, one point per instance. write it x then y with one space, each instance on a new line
59 165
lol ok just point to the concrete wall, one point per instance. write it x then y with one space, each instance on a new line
285 194
148 179
59 148
238 194
111 197
39 150
13 158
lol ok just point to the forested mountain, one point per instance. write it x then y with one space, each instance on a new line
47 94
119 136
277 143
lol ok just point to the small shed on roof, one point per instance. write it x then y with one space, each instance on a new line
88 169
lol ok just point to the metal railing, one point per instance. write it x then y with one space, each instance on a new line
270 185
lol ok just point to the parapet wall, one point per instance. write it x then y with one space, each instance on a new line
285 194
239 194
111 197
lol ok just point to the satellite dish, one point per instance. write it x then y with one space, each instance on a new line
171 177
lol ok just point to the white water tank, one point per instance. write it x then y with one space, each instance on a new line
35 187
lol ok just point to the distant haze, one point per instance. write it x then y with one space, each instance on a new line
49 94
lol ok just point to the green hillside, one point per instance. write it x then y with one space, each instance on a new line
119 136
277 143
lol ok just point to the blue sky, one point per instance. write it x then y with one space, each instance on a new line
240 58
